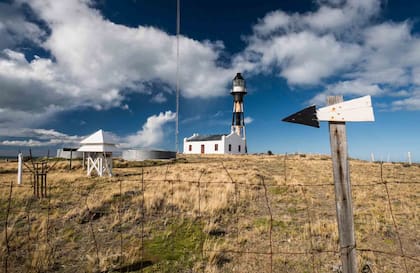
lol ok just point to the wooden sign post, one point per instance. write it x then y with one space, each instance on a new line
337 113
343 200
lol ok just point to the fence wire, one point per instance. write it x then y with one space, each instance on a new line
34 248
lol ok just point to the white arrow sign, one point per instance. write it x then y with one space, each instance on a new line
359 109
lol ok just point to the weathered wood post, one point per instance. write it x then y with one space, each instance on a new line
36 181
39 174
337 113
44 179
342 186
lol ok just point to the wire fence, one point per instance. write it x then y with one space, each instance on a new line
212 215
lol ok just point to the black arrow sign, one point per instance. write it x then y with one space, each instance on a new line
306 116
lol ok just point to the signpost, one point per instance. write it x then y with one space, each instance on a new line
356 110
337 113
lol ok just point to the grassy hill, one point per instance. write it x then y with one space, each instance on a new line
209 214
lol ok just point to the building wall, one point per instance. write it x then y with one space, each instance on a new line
235 141
208 147
139 155
66 154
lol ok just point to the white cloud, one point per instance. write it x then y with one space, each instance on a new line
152 132
327 18
96 62
342 47
353 88
248 120
330 16
37 137
191 119
271 22
159 98
410 103
103 55
25 143
416 75
14 29
305 58
311 47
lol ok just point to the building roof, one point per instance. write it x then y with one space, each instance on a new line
98 148
99 137
99 141
205 138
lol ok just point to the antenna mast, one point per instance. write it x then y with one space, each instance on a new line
178 19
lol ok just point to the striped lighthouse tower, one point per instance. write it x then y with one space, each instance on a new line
238 92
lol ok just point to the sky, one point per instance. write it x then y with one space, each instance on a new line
69 68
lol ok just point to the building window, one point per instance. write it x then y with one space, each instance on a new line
202 149
230 147
190 148
216 147
239 148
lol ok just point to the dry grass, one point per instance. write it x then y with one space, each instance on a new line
197 212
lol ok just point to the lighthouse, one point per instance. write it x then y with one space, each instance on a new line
232 143
238 92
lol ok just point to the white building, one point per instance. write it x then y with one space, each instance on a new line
233 143
98 148
215 144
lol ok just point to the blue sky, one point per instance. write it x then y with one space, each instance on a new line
69 68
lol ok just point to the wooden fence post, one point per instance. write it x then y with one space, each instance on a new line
343 200
337 114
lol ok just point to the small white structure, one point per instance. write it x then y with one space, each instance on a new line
98 148
69 153
215 144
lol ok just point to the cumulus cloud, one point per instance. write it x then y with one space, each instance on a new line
95 62
159 98
330 16
309 48
341 47
305 58
248 120
152 132
14 29
352 88
412 102
37 137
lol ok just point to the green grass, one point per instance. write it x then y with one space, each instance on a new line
176 248
278 190
265 223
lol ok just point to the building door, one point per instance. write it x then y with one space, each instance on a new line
202 148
